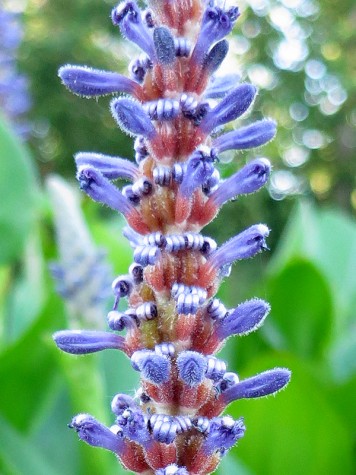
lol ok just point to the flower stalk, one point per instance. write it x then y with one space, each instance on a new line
174 326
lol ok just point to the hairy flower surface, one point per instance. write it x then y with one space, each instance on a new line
174 325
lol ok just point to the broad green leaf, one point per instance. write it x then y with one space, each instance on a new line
19 456
27 370
27 294
17 195
298 431
302 309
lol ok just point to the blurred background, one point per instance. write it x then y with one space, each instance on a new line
301 55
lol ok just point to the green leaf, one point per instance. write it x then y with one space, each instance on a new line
297 431
26 370
19 456
17 195
27 296
302 310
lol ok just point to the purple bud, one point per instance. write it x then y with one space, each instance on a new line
134 425
155 368
172 469
247 180
220 85
110 167
234 104
216 56
132 118
89 82
199 168
164 428
192 367
223 433
127 16
121 402
100 189
216 24
164 45
254 135
263 384
246 318
243 246
81 342
93 433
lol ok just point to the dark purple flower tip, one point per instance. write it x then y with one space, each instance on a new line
263 384
111 167
153 367
127 16
132 118
251 136
172 469
89 82
232 106
118 321
246 318
192 367
216 56
223 433
121 402
164 428
133 423
96 434
219 86
164 45
199 169
81 342
247 180
100 189
243 246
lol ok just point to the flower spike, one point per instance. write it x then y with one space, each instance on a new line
173 325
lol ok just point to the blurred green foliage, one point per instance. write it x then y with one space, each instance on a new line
309 280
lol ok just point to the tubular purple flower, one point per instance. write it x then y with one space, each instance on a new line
96 434
154 368
223 433
244 319
219 86
192 367
172 469
263 384
110 167
132 118
216 56
216 24
243 246
100 189
199 169
232 106
89 82
164 45
127 16
251 136
247 180
81 342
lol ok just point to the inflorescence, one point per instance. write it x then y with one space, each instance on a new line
176 106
